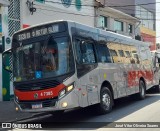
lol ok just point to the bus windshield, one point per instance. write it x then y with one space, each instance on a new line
43 59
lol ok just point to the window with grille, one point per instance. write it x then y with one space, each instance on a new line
14 23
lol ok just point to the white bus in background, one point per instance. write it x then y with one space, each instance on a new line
156 62
63 65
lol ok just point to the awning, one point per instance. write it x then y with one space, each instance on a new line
4 2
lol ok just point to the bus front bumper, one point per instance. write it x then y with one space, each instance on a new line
69 101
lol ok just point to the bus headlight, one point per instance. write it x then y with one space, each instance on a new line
65 91
62 93
69 88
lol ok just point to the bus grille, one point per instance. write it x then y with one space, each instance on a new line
36 86
45 103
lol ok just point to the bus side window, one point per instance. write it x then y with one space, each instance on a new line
85 52
135 58
113 48
104 55
128 54
121 53
125 55
113 52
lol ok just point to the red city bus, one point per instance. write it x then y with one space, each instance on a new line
64 65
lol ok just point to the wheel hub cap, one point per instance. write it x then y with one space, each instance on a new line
106 100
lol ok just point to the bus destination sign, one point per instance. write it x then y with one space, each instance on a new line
39 31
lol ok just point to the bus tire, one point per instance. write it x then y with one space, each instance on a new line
106 101
157 88
142 90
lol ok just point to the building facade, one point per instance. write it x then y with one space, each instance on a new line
41 11
116 21
91 13
145 10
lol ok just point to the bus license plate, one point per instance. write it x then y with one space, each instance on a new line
36 106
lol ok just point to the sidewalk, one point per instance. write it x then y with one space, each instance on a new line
9 114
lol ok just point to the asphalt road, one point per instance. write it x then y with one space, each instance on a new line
125 110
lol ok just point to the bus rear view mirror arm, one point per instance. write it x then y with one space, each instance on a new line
5 60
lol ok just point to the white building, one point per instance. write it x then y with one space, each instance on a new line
117 21
88 12
41 12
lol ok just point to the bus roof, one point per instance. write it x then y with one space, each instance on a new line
41 24
92 29
111 34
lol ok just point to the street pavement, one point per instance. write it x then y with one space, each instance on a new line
125 110
9 114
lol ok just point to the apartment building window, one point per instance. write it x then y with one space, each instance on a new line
130 28
41 1
103 21
118 25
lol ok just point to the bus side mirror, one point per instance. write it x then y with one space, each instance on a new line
5 60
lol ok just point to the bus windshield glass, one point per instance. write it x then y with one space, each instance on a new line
43 59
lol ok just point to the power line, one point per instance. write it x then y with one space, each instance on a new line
123 18
104 6
66 12
129 18
118 5
70 4
135 4
73 3
153 37
123 8
90 16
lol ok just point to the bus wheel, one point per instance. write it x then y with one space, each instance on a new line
142 91
106 101
157 89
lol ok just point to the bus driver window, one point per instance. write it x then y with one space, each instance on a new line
87 52
49 57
